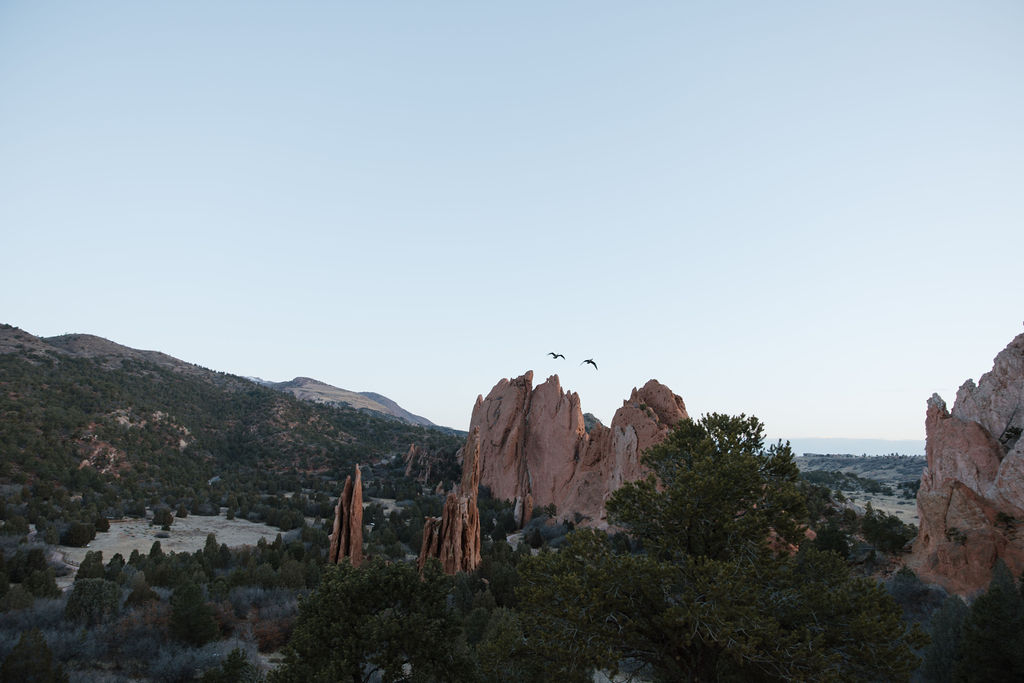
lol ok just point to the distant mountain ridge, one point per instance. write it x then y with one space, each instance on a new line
309 389
112 355
76 406
848 446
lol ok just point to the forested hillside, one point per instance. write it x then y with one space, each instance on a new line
82 414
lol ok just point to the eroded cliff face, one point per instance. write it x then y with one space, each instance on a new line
971 500
454 538
535 451
347 534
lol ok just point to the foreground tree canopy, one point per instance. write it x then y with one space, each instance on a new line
711 598
379 620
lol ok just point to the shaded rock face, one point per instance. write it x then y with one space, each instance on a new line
535 449
454 538
426 465
971 500
347 534
412 459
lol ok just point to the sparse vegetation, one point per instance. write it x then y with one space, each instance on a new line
189 446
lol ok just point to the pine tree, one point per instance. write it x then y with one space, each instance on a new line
992 646
943 654
380 619
191 618
92 600
91 567
715 595
140 592
236 669
31 662
42 583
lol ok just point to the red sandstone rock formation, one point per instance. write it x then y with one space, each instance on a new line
971 499
417 460
347 535
454 538
535 451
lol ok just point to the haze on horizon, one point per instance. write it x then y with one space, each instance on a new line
807 213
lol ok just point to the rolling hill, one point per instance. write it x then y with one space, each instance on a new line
79 404
309 389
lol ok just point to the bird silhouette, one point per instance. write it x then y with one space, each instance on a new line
556 355
591 361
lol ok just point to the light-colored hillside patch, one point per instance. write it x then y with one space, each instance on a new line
186 535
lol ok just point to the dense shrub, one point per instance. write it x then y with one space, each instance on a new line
92 601
191 617
91 567
42 583
886 531
31 660
79 534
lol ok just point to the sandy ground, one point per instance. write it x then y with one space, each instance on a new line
903 508
186 535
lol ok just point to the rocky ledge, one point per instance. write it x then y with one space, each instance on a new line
971 500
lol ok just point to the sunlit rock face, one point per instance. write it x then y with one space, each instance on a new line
347 534
971 500
535 451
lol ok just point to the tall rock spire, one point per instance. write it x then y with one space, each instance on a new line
347 535
454 538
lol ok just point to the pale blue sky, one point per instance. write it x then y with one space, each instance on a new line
811 212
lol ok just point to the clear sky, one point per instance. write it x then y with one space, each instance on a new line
811 212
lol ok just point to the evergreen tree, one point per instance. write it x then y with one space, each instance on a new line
114 569
379 620
191 618
42 583
79 534
832 537
31 662
715 595
92 600
162 517
236 669
91 567
211 550
992 645
942 656
18 597
140 592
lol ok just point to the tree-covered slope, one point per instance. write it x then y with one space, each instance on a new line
78 402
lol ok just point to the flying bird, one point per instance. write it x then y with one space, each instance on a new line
556 355
591 361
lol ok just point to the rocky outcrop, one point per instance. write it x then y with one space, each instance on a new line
971 500
454 538
347 535
427 465
412 460
536 451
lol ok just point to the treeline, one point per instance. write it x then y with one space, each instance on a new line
847 481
